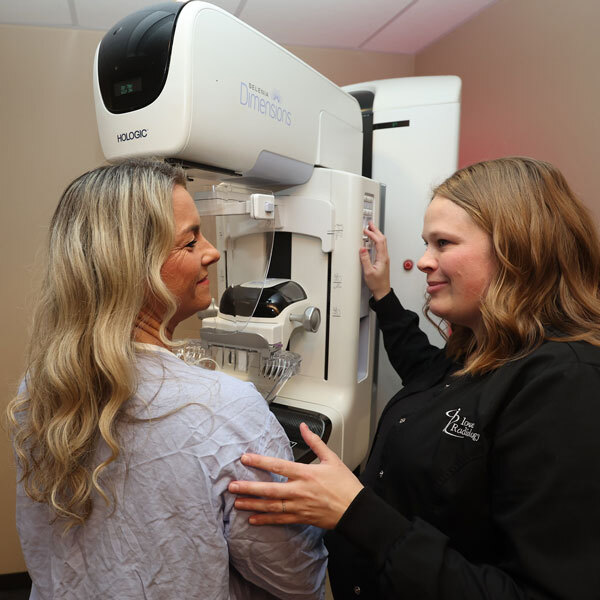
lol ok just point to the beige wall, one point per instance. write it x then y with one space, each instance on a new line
48 138
48 130
344 67
530 85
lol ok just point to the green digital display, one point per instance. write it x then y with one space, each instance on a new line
130 86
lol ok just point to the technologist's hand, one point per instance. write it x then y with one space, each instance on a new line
376 274
315 494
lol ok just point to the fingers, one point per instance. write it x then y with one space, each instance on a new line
365 259
269 512
268 463
265 489
275 509
372 227
379 240
275 519
262 505
316 444
373 237
380 246
374 233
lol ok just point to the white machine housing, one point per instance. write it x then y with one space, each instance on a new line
337 366
325 217
231 99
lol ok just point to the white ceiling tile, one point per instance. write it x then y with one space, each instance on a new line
228 5
36 12
103 14
423 23
403 26
324 23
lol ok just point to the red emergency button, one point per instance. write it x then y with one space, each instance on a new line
408 265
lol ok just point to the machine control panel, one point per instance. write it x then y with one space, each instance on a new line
367 213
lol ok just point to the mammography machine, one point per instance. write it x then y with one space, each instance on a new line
273 152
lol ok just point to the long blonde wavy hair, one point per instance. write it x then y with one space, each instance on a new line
111 233
547 282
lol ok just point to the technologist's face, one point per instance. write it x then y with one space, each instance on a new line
185 271
458 262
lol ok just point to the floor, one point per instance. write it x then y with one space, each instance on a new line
20 594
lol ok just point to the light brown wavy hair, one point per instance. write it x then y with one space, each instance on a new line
111 233
547 251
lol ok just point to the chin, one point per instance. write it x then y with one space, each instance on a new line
438 312
202 301
203 304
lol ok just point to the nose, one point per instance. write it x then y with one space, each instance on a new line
427 263
211 255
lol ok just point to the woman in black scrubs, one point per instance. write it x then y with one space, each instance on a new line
484 476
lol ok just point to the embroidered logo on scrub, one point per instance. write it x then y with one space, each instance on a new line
459 426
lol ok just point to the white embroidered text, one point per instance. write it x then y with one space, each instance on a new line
459 426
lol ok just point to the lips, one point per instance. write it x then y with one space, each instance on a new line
434 286
203 281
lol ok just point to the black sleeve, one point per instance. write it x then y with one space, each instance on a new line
407 347
545 504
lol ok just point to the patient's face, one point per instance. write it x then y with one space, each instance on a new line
185 272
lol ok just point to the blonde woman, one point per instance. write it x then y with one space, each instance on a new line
125 452
484 476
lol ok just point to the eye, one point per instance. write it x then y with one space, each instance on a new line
441 243
191 244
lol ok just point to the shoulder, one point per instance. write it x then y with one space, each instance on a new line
226 408
574 353
164 376
558 356
543 411
554 374
556 378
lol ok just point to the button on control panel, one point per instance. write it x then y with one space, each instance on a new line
368 213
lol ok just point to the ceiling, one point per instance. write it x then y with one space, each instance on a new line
398 26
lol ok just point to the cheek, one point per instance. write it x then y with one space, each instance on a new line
470 273
479 277
175 275
166 274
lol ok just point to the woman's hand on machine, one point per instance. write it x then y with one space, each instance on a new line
315 494
376 274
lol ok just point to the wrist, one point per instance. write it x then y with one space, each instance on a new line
343 503
381 293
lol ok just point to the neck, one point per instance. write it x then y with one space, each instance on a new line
147 327
477 330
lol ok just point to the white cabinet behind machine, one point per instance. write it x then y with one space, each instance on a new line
414 148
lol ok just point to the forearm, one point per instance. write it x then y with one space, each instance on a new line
407 346
412 559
